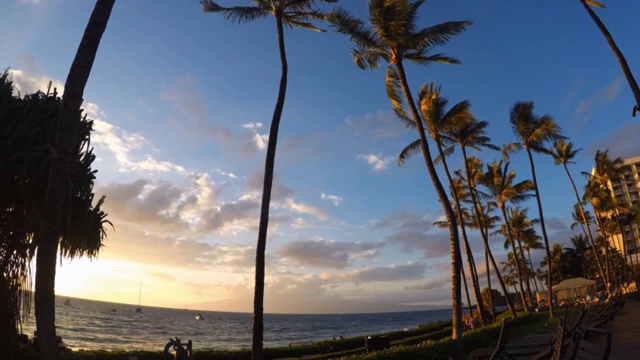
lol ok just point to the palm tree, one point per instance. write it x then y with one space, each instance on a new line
482 218
438 121
288 13
597 191
394 38
556 262
533 132
57 189
521 228
532 241
502 189
563 153
616 51
472 135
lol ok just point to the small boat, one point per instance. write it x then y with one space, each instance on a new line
198 317
67 302
113 310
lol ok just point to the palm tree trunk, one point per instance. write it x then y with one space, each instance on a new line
542 226
586 222
456 257
525 274
484 232
466 290
258 301
623 247
515 255
488 270
535 283
467 249
618 54
606 251
58 185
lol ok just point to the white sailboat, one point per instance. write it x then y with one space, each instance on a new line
139 309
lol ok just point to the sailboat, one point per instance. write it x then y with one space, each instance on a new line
139 309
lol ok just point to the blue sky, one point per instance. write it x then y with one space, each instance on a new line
183 100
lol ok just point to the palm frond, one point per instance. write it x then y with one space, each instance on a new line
440 34
392 83
236 14
596 4
354 28
410 150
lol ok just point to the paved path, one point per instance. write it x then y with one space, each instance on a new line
625 332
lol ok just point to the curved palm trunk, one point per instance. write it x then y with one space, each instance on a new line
586 227
484 232
465 240
515 255
258 301
618 54
456 257
542 226
57 187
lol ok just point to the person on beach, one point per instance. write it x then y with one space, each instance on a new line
290 342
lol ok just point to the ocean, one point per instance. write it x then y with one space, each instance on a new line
95 325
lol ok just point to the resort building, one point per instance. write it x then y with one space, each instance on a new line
627 190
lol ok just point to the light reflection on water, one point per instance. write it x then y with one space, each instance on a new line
87 324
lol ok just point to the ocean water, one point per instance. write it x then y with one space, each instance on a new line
86 324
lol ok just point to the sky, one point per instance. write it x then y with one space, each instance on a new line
182 103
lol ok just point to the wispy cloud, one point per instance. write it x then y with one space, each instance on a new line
588 107
191 115
327 253
334 199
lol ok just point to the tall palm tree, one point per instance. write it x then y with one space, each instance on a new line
438 121
57 190
298 13
521 226
533 132
556 263
564 153
473 135
597 192
616 51
502 189
393 37
483 221
532 241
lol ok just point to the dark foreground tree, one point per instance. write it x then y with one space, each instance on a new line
290 13
57 192
393 37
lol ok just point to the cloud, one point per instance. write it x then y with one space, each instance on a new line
191 115
402 272
258 140
377 163
334 199
404 220
433 245
379 124
327 253
32 80
621 143
307 209
586 108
